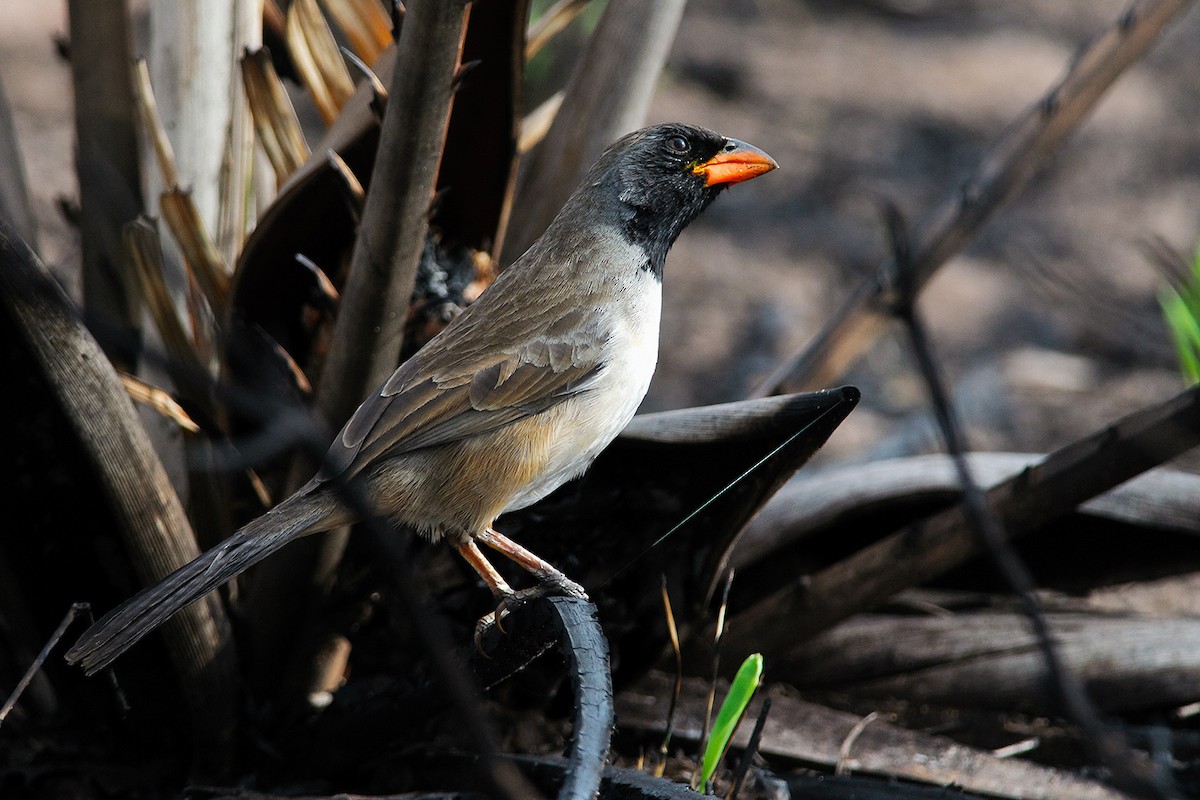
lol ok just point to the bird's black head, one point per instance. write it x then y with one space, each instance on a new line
662 177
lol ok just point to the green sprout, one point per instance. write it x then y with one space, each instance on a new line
1181 308
741 691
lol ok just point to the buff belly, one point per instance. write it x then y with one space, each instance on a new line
459 489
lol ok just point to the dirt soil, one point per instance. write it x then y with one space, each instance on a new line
1048 324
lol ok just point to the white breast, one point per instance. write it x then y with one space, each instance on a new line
587 423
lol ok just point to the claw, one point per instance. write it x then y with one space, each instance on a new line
481 629
494 620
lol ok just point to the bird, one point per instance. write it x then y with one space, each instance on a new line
516 396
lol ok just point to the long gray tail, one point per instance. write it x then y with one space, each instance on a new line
120 628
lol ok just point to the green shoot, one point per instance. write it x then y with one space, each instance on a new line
748 678
1181 308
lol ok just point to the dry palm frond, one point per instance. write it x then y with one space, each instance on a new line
318 59
274 116
178 208
151 120
365 24
207 267
145 250
159 400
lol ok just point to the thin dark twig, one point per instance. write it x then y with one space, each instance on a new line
674 632
1106 743
716 661
751 748
51 643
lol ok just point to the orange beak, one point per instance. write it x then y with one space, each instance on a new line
736 162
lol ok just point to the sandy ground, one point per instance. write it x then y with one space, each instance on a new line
1048 324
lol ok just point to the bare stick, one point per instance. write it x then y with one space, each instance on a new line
109 176
673 632
751 749
75 610
716 668
1109 747
370 329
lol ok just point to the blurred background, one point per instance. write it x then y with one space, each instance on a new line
1048 326
861 103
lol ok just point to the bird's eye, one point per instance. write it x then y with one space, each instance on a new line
678 144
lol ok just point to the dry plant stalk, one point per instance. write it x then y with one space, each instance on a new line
178 208
149 516
152 123
157 399
365 24
14 189
367 338
274 115
920 551
199 250
317 58
989 659
145 250
108 170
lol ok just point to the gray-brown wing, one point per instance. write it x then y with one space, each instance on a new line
461 388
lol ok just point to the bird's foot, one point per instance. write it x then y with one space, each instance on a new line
556 585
